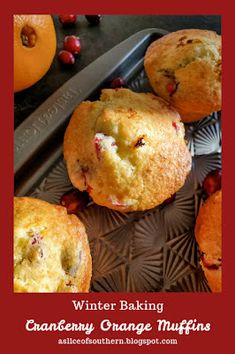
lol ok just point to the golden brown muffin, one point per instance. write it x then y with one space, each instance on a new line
208 235
127 150
51 251
184 68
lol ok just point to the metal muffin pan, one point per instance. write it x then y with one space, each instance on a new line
150 251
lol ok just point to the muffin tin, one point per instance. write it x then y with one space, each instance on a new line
154 250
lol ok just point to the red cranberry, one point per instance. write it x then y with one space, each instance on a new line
175 126
93 19
97 142
212 182
74 200
68 19
170 200
211 263
117 203
89 189
118 82
66 57
72 44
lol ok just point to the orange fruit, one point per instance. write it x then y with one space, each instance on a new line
34 48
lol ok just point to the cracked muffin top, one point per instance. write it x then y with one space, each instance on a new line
208 233
127 150
51 251
184 68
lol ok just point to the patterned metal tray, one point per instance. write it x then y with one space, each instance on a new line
154 250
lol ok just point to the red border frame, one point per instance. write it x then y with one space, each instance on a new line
214 308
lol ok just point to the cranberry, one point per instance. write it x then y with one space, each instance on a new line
93 19
170 200
89 189
117 203
68 19
66 57
74 200
118 82
212 182
170 87
72 44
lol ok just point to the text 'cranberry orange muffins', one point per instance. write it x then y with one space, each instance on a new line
208 232
127 150
184 68
51 251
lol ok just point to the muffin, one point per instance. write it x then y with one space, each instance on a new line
184 68
208 235
51 251
127 150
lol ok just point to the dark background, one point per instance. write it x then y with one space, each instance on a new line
96 40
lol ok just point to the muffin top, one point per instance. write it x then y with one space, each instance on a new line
127 150
208 233
184 67
51 252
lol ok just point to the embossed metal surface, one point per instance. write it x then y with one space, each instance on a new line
154 250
